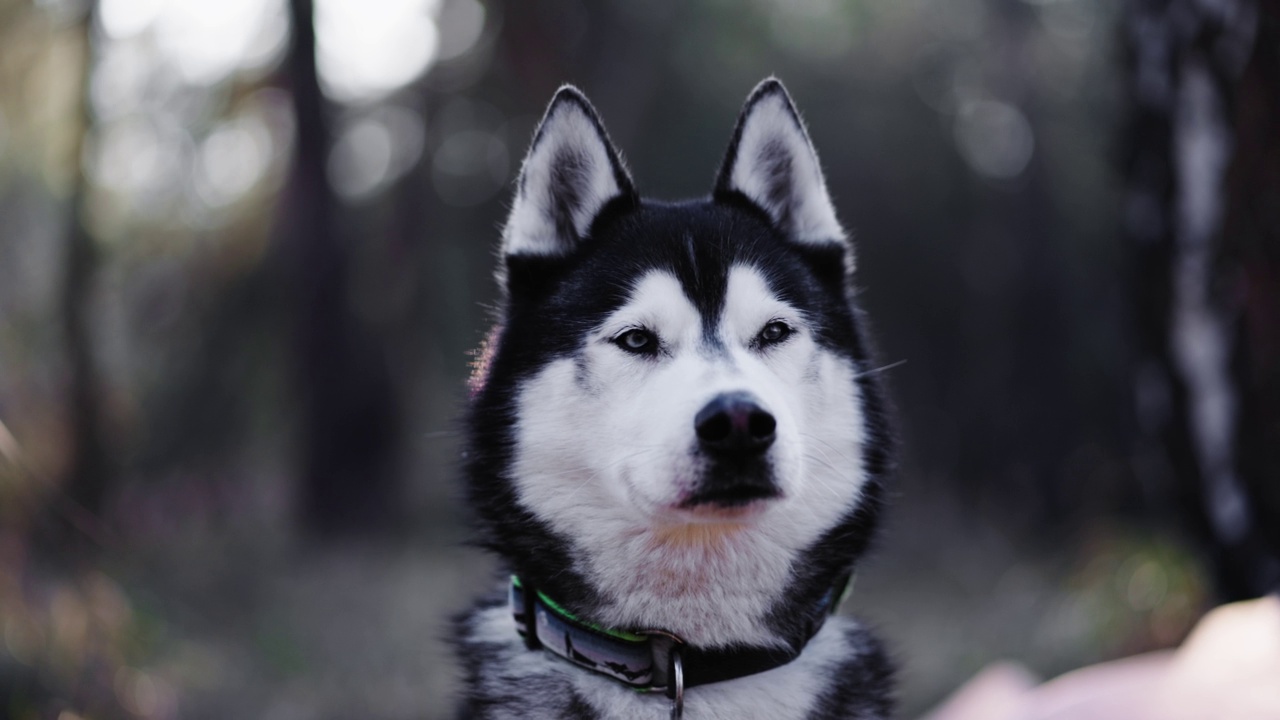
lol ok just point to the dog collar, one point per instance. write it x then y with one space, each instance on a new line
651 660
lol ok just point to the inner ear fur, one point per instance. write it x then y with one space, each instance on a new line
572 171
771 162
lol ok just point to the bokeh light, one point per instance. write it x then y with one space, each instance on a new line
995 138
462 23
374 150
232 159
205 41
365 50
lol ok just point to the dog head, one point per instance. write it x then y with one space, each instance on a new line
676 400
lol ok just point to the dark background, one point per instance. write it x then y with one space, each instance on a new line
242 269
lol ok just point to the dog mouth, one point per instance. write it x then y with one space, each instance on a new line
729 497
717 516
731 489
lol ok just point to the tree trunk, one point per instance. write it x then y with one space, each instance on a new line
1201 220
1251 251
87 480
350 419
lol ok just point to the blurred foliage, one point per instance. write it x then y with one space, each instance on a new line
1139 591
967 142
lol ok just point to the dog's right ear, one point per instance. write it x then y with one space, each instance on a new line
771 162
571 172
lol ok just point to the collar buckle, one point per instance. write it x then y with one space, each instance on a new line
675 684
667 649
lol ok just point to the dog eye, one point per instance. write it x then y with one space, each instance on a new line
637 342
773 333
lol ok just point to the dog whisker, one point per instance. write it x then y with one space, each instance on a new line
835 492
884 368
439 434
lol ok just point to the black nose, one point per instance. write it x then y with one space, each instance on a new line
734 423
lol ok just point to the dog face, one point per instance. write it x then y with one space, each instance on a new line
676 399
701 394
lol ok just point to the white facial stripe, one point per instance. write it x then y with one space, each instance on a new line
657 303
749 304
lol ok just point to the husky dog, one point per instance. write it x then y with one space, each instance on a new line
675 442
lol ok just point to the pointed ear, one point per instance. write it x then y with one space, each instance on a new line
571 172
771 161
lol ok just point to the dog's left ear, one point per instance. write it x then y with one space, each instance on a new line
771 161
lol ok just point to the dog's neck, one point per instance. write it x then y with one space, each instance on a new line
711 584
715 585
652 659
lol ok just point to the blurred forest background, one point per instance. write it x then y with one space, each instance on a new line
247 245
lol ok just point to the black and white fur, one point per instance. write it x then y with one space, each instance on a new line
623 320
